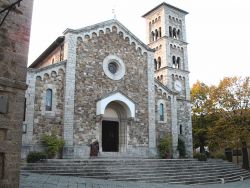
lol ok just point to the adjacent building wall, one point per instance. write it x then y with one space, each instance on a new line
14 40
38 120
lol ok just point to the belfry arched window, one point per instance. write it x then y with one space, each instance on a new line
174 33
159 62
152 36
178 63
159 31
178 34
174 61
155 62
181 129
156 34
170 32
161 112
161 78
48 100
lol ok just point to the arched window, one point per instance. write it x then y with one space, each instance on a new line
48 100
158 77
53 60
174 61
161 112
159 31
181 131
170 32
156 34
174 33
178 34
178 63
159 62
161 78
155 62
152 36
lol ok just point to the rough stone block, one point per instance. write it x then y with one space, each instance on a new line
3 104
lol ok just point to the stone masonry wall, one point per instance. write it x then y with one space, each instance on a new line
92 84
163 128
48 122
184 120
14 44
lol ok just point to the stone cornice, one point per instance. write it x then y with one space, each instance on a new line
171 68
170 39
165 88
109 24
59 64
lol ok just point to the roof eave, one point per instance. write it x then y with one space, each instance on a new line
52 47
165 4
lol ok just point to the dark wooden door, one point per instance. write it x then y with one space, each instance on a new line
110 136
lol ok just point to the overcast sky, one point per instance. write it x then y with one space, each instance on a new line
218 31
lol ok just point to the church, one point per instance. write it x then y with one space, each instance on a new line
101 82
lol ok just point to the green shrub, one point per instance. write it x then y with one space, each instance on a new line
53 144
200 156
181 148
35 156
165 147
218 155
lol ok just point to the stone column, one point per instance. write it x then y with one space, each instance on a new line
70 55
174 126
30 109
189 134
99 119
151 106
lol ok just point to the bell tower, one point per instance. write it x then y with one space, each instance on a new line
166 33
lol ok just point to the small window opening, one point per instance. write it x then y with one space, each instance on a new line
161 112
49 100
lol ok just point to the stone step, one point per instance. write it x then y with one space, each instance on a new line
186 171
132 171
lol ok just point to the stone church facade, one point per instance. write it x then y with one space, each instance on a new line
101 82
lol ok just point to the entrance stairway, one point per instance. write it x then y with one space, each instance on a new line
179 171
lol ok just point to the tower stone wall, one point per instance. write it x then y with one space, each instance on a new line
166 34
14 40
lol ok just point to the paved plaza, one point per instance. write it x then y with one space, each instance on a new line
52 181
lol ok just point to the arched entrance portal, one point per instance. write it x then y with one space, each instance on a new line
114 127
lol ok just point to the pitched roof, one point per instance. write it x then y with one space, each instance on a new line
52 47
164 4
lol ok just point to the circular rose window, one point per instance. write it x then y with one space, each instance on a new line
114 67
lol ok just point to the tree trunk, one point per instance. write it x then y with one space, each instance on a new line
245 163
202 149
